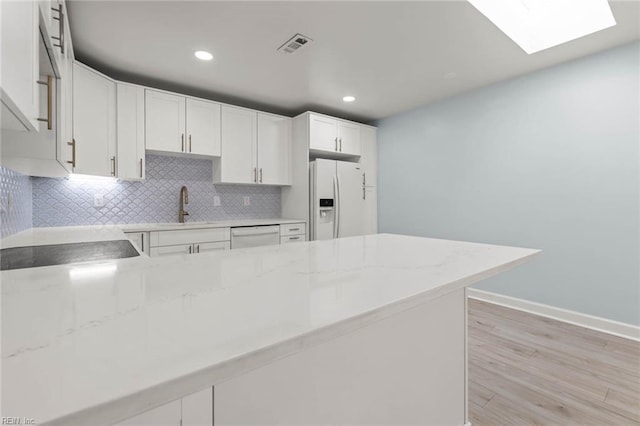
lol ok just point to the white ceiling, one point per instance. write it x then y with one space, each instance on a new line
392 56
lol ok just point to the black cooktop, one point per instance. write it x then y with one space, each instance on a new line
61 254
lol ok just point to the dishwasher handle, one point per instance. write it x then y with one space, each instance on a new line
254 230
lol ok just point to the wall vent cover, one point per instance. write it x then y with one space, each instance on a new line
294 43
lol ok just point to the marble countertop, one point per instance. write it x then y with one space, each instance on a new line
97 343
76 234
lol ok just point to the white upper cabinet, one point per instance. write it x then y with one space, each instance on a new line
130 134
238 159
333 136
94 122
165 116
19 90
203 127
179 124
349 138
256 148
274 149
323 133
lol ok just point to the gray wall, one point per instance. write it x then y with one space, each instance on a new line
549 160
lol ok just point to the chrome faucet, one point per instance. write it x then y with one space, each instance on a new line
184 199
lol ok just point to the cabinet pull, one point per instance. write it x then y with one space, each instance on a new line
73 153
49 85
340 144
113 166
141 168
294 238
60 20
260 174
294 229
364 179
255 175
190 249
198 248
182 139
364 193
142 241
189 143
336 139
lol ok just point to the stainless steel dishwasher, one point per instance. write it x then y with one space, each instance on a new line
254 236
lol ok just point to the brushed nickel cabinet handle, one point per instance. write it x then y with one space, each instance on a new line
255 175
73 153
294 238
189 143
49 85
336 139
113 166
340 144
364 179
260 174
198 248
141 167
364 193
60 20
142 241
190 249
182 139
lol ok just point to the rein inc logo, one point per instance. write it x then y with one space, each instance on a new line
17 421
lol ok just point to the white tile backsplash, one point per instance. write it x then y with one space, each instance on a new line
65 202
15 202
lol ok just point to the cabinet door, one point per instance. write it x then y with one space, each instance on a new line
19 35
210 247
94 122
130 120
203 127
369 157
323 133
349 138
370 220
165 121
238 157
274 149
65 108
165 415
197 409
171 250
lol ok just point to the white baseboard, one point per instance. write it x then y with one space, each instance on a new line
604 325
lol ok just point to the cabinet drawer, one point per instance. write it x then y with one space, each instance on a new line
292 229
292 239
208 247
189 236
171 250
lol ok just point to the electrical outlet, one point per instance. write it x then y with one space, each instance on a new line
98 200
216 201
247 201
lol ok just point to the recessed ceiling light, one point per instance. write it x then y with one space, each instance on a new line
203 55
540 24
349 98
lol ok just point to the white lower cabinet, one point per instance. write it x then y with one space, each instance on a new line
293 233
189 241
140 240
192 410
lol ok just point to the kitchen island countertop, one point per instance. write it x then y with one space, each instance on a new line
106 340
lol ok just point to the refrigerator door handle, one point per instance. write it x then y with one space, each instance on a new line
338 207
335 207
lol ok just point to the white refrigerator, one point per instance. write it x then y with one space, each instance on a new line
336 199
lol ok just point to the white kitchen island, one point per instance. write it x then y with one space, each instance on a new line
360 330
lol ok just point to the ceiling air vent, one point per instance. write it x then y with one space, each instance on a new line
294 43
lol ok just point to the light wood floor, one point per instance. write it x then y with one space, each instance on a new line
526 369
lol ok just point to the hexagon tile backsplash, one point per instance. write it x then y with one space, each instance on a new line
65 202
15 202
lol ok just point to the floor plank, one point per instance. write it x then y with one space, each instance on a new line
527 369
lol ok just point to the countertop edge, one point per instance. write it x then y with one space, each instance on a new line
130 405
